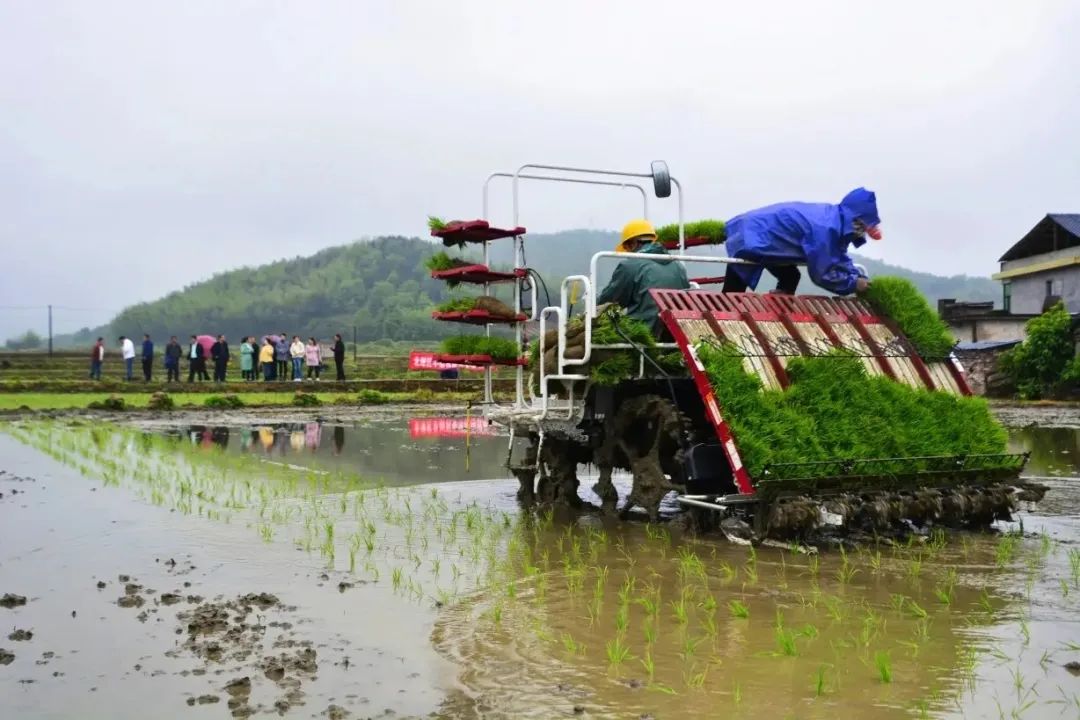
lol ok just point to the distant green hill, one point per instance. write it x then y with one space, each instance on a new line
382 288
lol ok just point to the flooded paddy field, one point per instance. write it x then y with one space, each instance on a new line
292 564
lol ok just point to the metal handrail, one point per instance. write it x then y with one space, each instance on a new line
580 181
649 257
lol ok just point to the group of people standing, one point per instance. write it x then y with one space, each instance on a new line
280 359
276 358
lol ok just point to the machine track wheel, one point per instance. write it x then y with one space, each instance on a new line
648 430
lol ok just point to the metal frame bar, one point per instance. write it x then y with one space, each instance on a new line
519 242
697 372
580 181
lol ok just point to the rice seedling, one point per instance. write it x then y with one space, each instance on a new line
898 601
689 648
776 426
695 680
626 590
1074 566
622 619
944 592
572 646
922 630
847 570
648 665
266 532
736 694
834 608
1006 549
1025 631
689 565
785 641
713 230
738 610
899 299
883 664
679 610
914 567
820 681
870 626
650 632
617 651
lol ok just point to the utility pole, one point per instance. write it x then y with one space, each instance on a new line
50 331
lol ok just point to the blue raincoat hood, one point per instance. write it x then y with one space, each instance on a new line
859 204
817 234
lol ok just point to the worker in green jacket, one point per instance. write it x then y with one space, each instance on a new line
632 279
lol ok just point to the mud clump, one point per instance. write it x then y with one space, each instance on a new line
160 401
130 601
239 691
303 662
263 600
1073 667
132 589
21 635
113 403
336 712
12 601
6 657
203 700
240 687
170 598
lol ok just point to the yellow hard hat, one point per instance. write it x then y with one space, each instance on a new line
635 229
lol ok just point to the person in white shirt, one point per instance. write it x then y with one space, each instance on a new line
296 352
127 349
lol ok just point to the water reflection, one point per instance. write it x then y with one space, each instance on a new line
398 451
1054 461
417 450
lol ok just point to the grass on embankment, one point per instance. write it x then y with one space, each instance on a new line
76 401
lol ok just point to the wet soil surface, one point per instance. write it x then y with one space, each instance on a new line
1056 415
113 607
160 593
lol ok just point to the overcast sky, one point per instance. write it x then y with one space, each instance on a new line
147 145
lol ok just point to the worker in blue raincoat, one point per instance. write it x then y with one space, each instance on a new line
817 234
632 279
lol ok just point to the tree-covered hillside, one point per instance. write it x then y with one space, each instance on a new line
382 287
379 286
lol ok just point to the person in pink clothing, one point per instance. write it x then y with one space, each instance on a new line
313 358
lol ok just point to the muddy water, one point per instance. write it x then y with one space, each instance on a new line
454 605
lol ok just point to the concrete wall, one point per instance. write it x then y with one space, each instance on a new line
1029 291
1044 257
973 330
980 368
